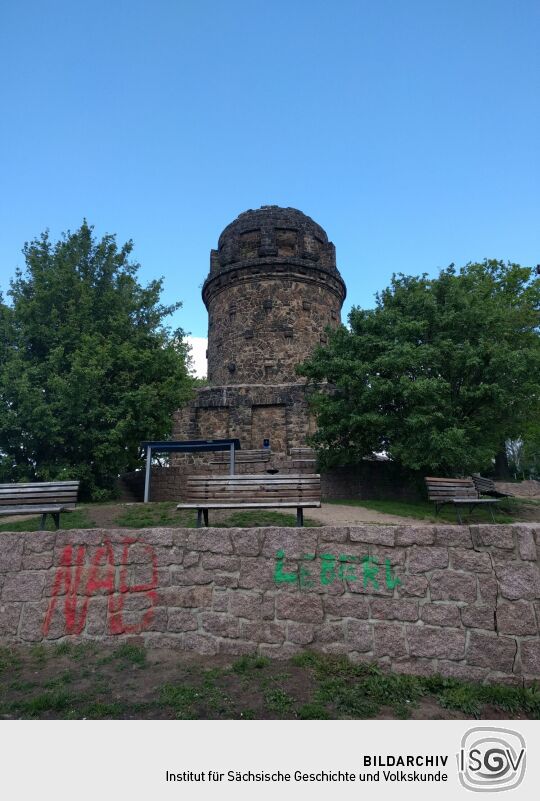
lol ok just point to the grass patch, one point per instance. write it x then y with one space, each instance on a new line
55 701
423 510
66 677
206 699
39 653
147 515
127 653
360 691
182 699
165 514
313 711
78 518
471 698
278 702
22 686
10 661
78 651
248 663
100 710
262 517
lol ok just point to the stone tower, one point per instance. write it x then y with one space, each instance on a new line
272 289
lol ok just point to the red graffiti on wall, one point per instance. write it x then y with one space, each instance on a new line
70 576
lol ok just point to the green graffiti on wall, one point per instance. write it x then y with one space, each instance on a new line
365 569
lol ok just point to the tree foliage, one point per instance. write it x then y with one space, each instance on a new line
438 375
88 367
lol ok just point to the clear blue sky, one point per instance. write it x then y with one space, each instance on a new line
409 130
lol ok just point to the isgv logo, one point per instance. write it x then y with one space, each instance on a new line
491 759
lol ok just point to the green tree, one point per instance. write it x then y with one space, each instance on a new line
438 376
88 367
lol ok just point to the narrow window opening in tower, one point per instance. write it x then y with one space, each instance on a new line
286 241
249 244
312 246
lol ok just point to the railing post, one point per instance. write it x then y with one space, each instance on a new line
147 474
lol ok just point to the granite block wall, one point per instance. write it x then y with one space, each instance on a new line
456 600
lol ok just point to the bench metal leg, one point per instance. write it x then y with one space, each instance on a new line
205 514
43 522
199 518
299 516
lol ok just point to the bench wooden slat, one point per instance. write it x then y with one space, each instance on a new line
255 505
38 488
253 487
234 483
43 484
258 476
451 491
272 479
35 509
27 495
251 491
474 501
486 486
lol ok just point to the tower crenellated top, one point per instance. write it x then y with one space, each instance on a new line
272 290
273 232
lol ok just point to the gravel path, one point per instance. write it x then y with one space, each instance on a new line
334 514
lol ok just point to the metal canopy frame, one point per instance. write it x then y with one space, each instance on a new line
186 446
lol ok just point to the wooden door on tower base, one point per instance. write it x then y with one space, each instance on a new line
268 422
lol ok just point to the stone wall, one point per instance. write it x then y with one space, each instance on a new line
460 601
370 481
373 480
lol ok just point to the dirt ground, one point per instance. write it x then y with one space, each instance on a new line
327 515
335 514
88 680
521 489
104 515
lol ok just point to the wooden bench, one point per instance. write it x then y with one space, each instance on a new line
256 491
44 498
458 492
303 458
486 486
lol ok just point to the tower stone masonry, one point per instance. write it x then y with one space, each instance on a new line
272 290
